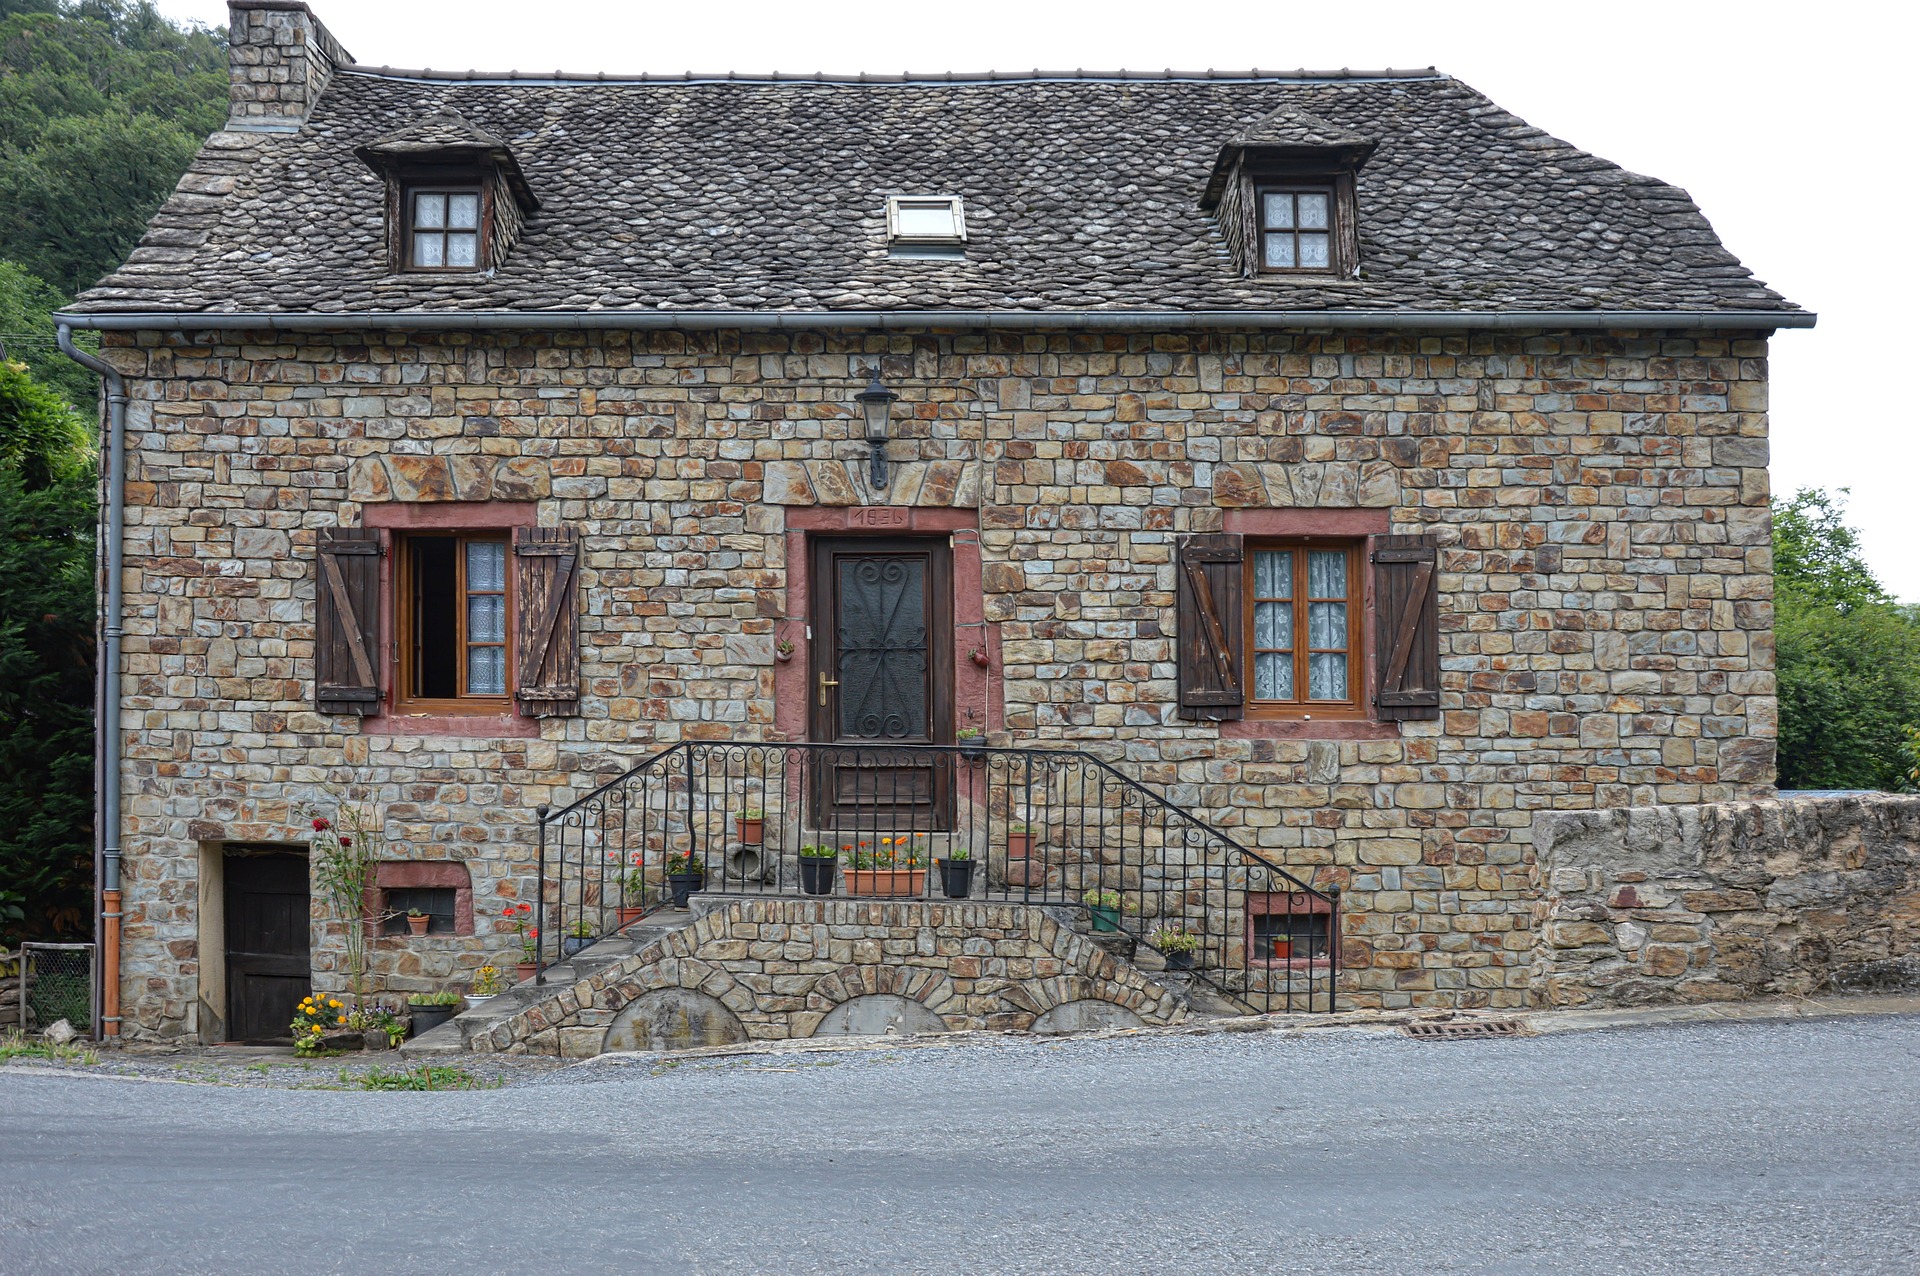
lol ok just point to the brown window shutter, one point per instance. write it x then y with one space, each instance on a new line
547 609
346 649
1406 652
1210 625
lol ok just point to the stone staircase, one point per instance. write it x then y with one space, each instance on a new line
738 967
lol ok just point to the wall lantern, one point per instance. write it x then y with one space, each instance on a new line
876 402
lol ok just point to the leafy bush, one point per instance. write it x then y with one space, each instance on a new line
1848 656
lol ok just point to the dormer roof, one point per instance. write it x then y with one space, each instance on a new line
1288 134
447 137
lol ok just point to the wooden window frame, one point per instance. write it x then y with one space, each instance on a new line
1355 707
1259 177
407 642
455 184
1261 230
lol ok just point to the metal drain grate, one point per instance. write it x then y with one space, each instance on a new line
1466 1030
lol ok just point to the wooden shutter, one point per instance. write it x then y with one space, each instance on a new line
547 611
1406 652
1211 625
346 650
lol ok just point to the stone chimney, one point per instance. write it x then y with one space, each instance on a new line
280 59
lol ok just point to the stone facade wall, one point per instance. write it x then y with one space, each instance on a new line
1731 900
781 967
1600 503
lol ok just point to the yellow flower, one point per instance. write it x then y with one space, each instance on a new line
333 1003
341 1019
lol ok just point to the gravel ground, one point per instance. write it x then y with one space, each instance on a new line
1723 1148
270 1069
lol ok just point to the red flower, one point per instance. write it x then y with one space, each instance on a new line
320 825
346 841
533 933
526 908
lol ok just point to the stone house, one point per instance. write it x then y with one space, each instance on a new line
1352 468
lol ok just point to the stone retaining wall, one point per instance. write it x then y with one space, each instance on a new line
776 969
1729 900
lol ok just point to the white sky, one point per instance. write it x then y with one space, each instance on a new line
1791 126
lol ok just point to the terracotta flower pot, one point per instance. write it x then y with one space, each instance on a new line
1019 845
628 916
526 970
418 925
888 883
749 831
1282 949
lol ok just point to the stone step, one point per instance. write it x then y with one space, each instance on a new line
452 1037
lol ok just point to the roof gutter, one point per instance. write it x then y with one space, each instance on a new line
1026 321
110 690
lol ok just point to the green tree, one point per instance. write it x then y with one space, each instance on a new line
47 513
27 303
1848 656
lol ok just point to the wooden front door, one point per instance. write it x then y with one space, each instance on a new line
267 926
882 674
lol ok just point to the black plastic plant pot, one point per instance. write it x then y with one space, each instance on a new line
575 944
816 875
683 885
1179 961
956 878
427 1018
972 750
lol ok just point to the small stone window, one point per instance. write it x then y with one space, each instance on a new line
437 902
454 611
1297 229
1287 927
443 228
926 220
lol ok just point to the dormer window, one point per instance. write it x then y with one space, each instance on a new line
443 229
926 219
1296 228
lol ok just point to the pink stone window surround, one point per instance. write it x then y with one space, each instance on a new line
451 516
974 689
1340 524
393 875
1286 903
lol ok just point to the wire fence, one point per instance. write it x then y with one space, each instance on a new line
56 982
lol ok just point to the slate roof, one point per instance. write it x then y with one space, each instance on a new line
769 195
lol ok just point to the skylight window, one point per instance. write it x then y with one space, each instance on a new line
926 219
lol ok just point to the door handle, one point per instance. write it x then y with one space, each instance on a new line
826 682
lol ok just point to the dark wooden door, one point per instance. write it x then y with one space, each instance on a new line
267 926
882 674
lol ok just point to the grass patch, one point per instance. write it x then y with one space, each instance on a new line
15 1045
425 1077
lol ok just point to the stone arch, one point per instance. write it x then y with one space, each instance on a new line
880 1014
673 1019
1088 1014
932 988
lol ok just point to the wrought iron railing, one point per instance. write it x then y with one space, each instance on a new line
906 820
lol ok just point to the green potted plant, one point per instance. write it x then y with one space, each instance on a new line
749 826
579 937
417 921
896 869
431 1009
971 741
685 875
1177 944
956 873
1104 907
634 901
816 868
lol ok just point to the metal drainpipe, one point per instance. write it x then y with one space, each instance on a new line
110 680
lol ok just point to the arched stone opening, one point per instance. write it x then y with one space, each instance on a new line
878 1015
673 1019
1089 1014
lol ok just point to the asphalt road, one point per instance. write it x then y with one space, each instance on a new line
1759 1147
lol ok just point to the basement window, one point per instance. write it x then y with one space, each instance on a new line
932 221
437 902
1285 927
